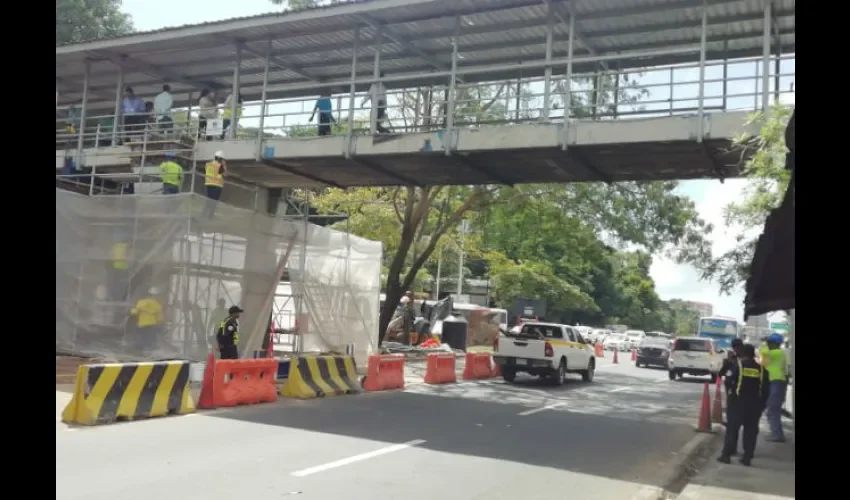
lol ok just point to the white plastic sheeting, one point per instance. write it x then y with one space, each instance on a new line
193 264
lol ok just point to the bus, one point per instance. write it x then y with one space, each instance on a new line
721 330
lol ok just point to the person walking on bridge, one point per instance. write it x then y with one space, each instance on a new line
746 395
228 334
378 95
171 173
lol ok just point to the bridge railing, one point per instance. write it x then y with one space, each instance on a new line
733 85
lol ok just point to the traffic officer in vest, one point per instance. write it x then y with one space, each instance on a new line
214 172
171 173
746 396
228 334
774 360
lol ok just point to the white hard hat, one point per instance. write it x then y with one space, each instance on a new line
219 154
153 290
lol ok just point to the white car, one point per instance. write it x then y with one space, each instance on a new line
694 356
634 338
616 342
546 350
597 335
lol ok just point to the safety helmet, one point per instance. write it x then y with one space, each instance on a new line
219 154
775 338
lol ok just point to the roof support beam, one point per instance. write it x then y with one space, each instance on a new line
395 37
563 14
154 71
68 84
275 60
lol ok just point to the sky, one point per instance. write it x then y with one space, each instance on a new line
710 196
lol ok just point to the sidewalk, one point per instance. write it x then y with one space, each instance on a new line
771 476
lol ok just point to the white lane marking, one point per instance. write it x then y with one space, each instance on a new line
538 410
620 389
357 458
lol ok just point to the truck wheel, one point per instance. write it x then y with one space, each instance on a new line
587 375
672 375
562 372
508 375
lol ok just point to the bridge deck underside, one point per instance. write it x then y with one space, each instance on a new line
650 161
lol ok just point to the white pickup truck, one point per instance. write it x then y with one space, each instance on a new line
545 350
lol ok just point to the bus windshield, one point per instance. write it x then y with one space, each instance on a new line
721 330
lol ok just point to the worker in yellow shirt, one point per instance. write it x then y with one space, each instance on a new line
775 362
214 172
150 318
171 173
119 268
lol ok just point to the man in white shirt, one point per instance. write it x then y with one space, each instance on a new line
379 92
162 105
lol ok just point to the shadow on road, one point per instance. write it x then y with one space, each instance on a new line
482 420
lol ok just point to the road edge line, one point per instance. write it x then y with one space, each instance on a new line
695 447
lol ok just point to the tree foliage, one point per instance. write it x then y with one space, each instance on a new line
83 20
766 182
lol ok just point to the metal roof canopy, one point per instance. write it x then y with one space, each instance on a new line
498 40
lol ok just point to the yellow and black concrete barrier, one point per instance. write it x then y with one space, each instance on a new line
318 376
105 393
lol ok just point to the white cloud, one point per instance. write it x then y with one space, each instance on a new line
676 281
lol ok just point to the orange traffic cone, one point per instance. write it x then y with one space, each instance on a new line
717 407
206 398
634 354
704 422
616 360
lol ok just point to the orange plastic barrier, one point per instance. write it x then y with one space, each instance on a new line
496 370
477 366
440 368
385 372
598 351
232 382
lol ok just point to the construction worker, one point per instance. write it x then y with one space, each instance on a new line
214 172
228 334
775 361
119 268
746 395
216 317
150 320
171 173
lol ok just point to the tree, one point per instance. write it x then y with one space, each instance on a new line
84 20
767 180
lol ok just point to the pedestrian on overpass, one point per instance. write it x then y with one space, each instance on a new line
228 334
775 361
746 395
326 115
171 173
214 172
378 95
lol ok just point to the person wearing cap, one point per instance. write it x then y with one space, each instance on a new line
774 360
228 334
150 320
214 172
746 396
171 173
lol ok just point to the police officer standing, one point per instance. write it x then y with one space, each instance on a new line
227 335
746 395
732 356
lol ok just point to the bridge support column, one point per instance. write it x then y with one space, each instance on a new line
702 47
85 104
376 77
119 94
568 93
765 72
234 92
263 97
448 144
352 90
547 82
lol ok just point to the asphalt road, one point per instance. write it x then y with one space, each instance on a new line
613 438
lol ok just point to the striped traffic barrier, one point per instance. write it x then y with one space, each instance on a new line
104 393
318 376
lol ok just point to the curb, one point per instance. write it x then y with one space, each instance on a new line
687 454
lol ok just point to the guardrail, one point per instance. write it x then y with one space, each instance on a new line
653 91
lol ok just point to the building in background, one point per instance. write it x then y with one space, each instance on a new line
703 308
759 321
